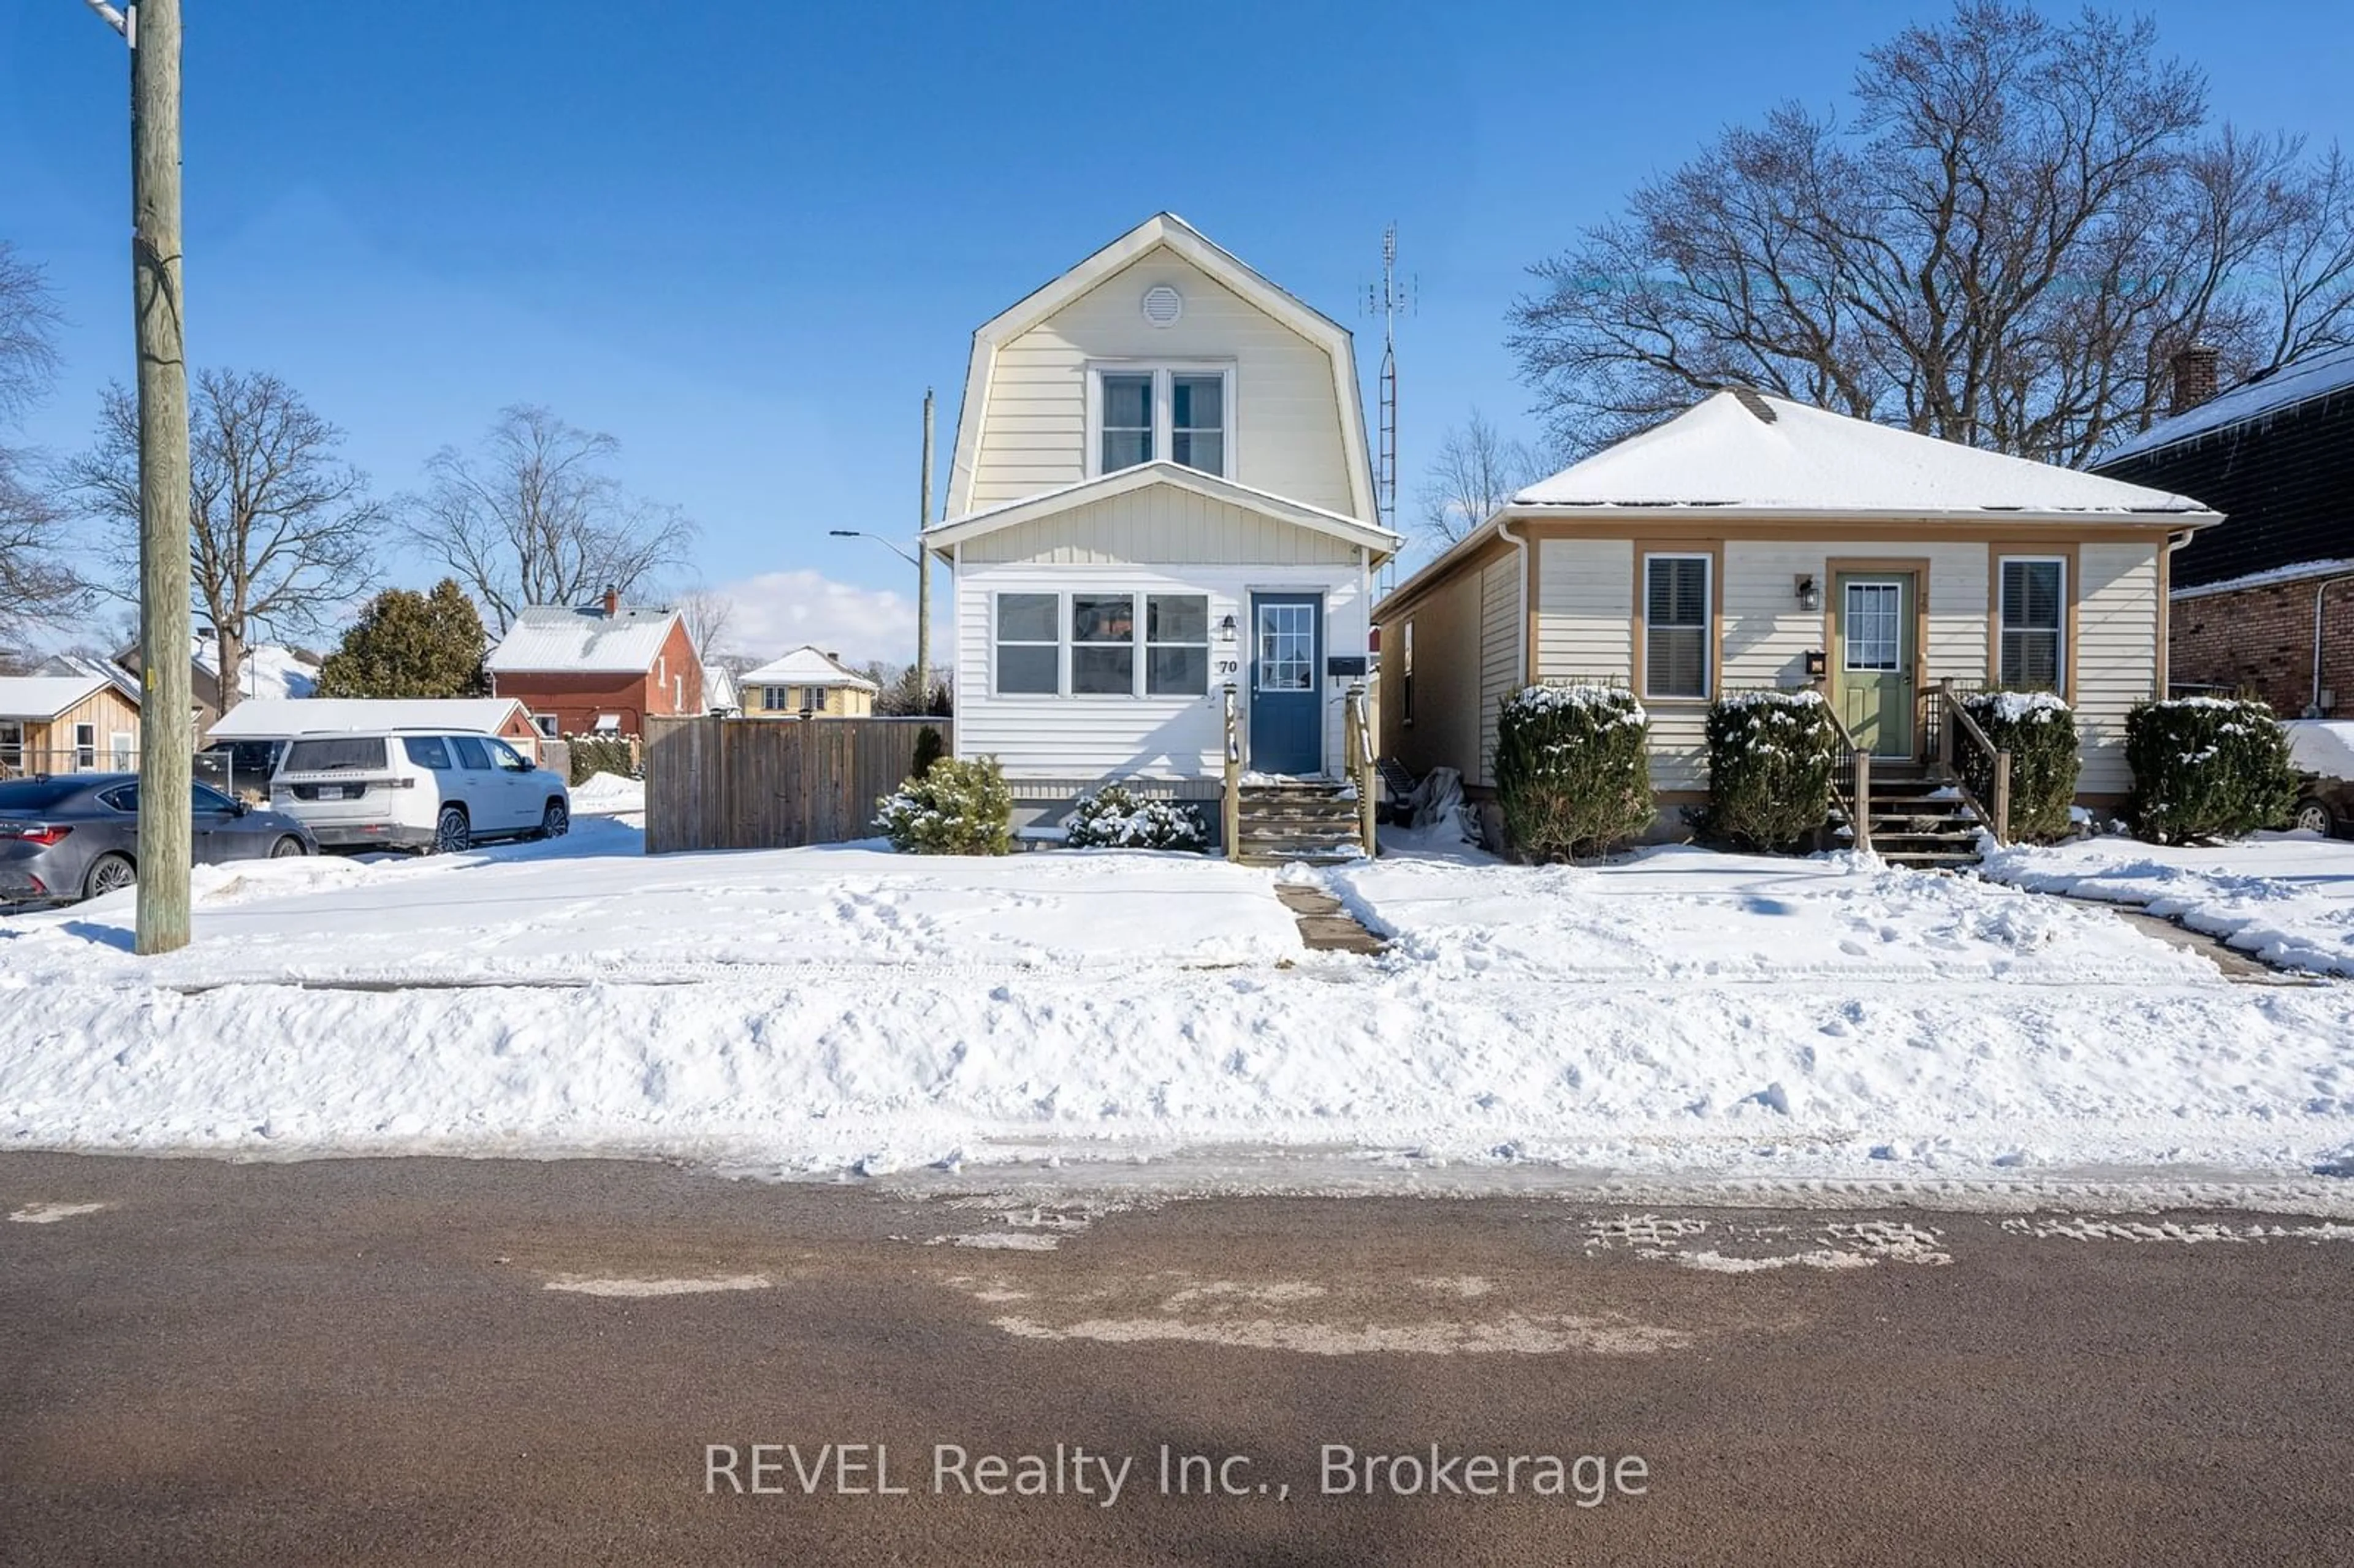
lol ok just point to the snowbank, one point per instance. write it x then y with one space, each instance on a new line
2289 898
1681 1015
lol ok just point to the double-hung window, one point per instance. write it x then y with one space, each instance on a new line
1103 644
85 747
1029 644
1147 413
12 746
1676 626
1177 644
776 699
2034 654
1405 674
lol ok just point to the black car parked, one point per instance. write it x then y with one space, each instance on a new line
76 835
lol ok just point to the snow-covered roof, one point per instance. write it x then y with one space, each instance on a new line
807 666
2270 392
269 669
277 718
44 696
1217 487
719 687
554 637
1743 452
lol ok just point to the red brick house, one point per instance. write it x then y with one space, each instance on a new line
603 668
2265 600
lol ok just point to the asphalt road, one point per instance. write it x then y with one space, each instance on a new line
434 1361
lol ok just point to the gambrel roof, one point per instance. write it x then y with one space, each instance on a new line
1163 230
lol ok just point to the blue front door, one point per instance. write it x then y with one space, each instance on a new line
1286 711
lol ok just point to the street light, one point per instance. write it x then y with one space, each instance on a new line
923 607
860 533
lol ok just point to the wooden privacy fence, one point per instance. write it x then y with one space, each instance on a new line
741 783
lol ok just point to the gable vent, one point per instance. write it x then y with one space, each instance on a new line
1163 305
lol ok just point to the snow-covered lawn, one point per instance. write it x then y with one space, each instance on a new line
1682 1015
2286 897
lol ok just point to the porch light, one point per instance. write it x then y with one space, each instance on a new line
1809 598
1226 630
1816 664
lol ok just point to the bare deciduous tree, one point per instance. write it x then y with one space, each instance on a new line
535 517
282 533
2021 226
709 616
1477 469
36 582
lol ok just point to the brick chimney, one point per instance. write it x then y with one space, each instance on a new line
2194 377
613 596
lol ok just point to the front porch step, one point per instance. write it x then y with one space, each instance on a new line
1304 820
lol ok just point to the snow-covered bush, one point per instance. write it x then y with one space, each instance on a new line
2040 732
1572 771
1770 760
2207 768
1115 817
956 807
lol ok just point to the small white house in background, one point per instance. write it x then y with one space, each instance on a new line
719 693
1159 488
807 681
1751 543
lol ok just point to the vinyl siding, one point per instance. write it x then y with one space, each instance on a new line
1284 429
1445 732
1767 637
1159 523
2116 654
1585 608
1101 548
1501 637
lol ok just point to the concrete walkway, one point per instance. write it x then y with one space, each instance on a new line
1324 925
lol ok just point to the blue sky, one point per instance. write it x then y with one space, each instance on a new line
744 238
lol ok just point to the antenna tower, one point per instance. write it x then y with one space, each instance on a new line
1388 299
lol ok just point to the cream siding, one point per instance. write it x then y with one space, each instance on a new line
1284 429
1445 731
2115 656
1585 608
1502 635
1767 637
1158 522
1116 545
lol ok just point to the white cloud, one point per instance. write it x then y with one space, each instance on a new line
778 611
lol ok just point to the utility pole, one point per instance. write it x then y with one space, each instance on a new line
924 569
152 28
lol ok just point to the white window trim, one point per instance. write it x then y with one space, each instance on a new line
1707 626
1163 410
81 746
2060 629
1141 642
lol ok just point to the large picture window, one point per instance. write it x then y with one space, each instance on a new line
1029 649
1184 413
1113 644
2034 654
1675 625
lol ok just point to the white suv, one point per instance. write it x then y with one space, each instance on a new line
417 789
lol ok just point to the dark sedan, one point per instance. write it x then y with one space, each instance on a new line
76 835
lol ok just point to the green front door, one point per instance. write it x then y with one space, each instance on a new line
1873 660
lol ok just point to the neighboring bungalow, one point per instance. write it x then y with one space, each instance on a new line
67 724
2266 602
268 670
602 669
1751 543
808 683
1160 496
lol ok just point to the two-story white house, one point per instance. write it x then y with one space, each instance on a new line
1159 488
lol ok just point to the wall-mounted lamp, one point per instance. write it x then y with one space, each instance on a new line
1810 597
1226 630
1815 663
